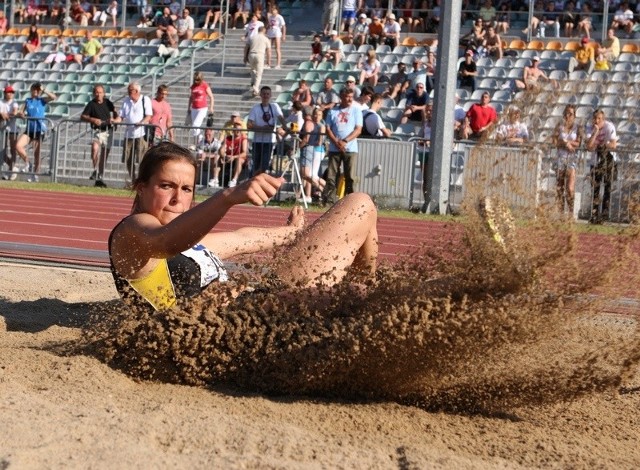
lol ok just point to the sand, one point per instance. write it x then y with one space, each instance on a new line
71 410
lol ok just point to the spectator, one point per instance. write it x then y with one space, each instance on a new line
330 15
60 53
78 14
364 100
602 140
467 72
136 112
34 111
302 94
503 18
409 16
57 12
168 47
417 100
376 29
532 76
277 33
513 131
585 22
623 19
4 23
493 44
185 25
234 152
370 69
360 33
243 10
584 57
481 117
567 139
164 23
234 121
213 15
372 124
344 124
312 137
398 83
100 113
208 151
487 14
316 51
90 50
162 115
258 47
550 18
200 101
100 17
611 46
263 119
348 14
9 109
334 50
570 19
391 31
327 97
32 43
601 62
350 84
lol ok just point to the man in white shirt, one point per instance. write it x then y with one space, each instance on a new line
185 25
602 141
136 111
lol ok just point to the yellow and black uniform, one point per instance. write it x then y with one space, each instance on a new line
184 275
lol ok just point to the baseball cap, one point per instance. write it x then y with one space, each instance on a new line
584 40
351 78
333 32
9 89
536 57
235 114
362 15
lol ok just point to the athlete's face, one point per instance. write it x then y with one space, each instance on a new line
169 192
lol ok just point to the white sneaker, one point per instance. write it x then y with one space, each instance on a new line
233 183
214 183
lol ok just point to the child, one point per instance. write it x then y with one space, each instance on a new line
316 51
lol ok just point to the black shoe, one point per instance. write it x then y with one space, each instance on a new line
93 175
100 184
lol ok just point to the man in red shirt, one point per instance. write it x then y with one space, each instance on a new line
480 118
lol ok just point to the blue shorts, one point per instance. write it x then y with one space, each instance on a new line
348 14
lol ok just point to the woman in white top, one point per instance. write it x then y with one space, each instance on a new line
277 31
567 138
370 69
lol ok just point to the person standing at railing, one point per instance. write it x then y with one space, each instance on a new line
100 113
136 111
8 111
344 125
34 110
162 116
263 118
602 141
567 139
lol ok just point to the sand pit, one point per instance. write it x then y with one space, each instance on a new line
73 411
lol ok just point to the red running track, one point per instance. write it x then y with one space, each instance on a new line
73 228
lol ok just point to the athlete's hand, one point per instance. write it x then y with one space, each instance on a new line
257 190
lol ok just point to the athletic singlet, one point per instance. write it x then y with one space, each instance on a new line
184 275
